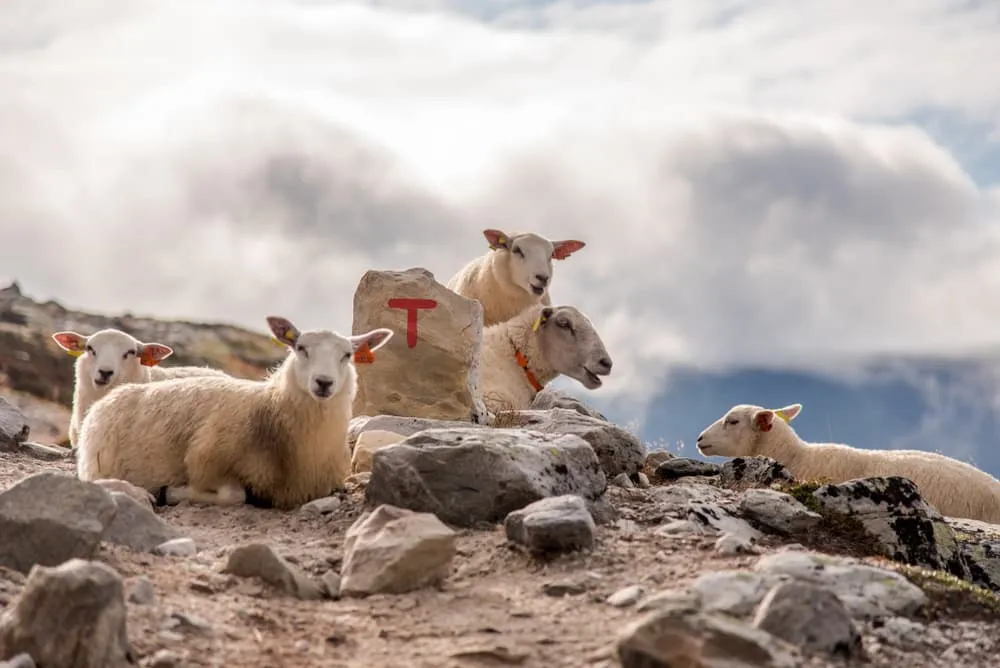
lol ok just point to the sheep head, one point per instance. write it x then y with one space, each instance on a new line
571 345
738 433
528 257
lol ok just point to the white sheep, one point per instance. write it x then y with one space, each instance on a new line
109 358
515 274
282 441
955 488
523 354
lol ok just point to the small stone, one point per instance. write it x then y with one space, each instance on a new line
302 646
626 597
811 617
22 660
395 550
622 480
554 524
79 603
185 622
322 506
643 480
729 545
142 591
178 547
564 588
678 526
777 511
164 658
259 560
48 453
331 584
681 467
14 428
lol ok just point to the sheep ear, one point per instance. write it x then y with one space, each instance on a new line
73 343
543 317
497 238
152 354
764 419
563 249
283 330
373 340
788 413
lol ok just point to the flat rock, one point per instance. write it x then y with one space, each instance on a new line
399 424
394 550
742 472
48 518
554 524
714 518
777 511
679 636
678 495
431 372
810 617
907 528
136 526
470 476
177 547
322 506
48 453
549 398
14 428
618 450
69 615
367 443
683 467
261 561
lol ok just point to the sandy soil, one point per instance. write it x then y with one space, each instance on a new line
500 607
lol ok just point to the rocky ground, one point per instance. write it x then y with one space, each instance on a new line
686 564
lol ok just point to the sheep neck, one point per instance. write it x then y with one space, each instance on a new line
782 445
526 351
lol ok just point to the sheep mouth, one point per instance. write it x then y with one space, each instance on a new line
322 394
99 382
539 291
591 380
704 449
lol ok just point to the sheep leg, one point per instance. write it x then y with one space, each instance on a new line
226 494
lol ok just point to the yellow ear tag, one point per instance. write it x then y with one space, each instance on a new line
782 416
277 342
289 335
74 353
538 323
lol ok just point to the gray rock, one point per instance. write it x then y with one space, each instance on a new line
618 450
178 547
906 527
735 592
69 615
656 457
716 519
979 544
22 660
729 545
261 561
548 399
331 584
398 424
626 597
866 591
49 453
473 475
677 496
777 511
553 524
678 635
48 518
14 428
321 506
682 467
753 472
142 591
165 658
810 617
136 526
622 480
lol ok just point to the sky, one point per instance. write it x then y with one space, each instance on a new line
795 184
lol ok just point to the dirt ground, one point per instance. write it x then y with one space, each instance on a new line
499 608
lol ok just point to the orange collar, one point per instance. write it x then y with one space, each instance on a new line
522 362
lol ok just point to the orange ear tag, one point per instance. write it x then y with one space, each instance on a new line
364 355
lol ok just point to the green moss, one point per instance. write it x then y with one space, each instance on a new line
949 595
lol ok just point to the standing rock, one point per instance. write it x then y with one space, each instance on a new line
618 450
555 524
907 528
778 511
394 550
13 427
47 518
681 636
367 443
259 560
810 617
548 399
753 472
136 526
69 615
474 475
433 374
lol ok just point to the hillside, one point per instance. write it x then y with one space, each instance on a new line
37 376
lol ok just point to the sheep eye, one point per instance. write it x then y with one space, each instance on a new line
346 357
732 421
302 349
518 251
91 351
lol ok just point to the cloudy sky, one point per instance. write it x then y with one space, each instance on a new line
771 182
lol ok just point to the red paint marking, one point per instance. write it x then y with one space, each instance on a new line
411 306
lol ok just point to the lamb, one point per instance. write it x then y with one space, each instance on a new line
278 442
110 357
514 275
523 354
955 488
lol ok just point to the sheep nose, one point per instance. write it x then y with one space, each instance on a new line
106 374
605 362
323 385
700 436
542 280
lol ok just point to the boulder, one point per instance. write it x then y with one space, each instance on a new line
367 443
430 368
548 399
552 525
13 427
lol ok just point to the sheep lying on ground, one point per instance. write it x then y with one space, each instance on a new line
215 439
109 358
955 488
514 275
523 354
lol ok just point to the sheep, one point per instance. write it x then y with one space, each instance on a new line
222 440
513 275
523 354
955 488
110 357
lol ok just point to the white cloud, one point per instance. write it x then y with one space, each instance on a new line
227 160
